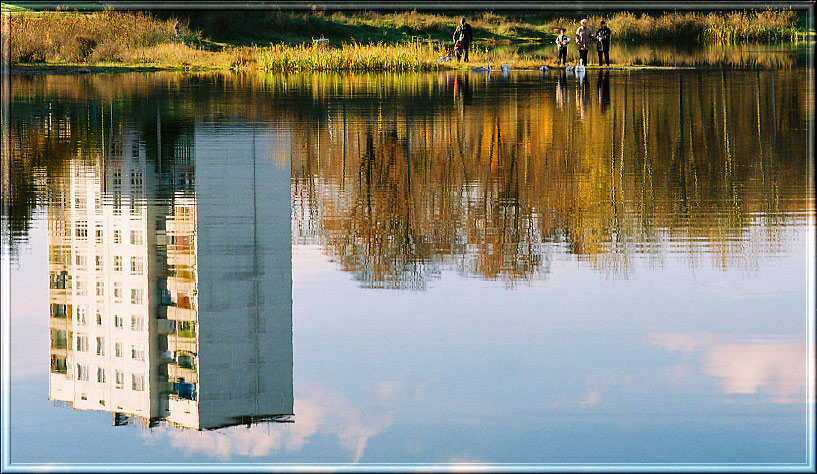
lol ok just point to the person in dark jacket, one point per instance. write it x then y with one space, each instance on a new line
463 35
603 43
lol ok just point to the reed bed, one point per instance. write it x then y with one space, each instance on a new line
349 57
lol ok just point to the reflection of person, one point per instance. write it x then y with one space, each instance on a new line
603 86
583 37
561 89
463 35
603 43
582 95
462 89
561 47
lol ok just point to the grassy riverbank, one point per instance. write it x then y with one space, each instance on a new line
359 41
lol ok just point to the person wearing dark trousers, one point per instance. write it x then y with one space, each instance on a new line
583 37
463 35
603 43
561 47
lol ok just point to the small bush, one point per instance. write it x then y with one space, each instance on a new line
78 48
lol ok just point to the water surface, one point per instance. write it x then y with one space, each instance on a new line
425 268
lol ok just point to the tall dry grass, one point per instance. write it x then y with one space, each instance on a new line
706 28
59 37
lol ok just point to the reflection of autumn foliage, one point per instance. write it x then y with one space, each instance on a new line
33 153
400 176
682 163
19 195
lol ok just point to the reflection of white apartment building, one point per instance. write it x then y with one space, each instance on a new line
244 278
100 291
170 306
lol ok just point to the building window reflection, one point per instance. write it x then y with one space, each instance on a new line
137 323
138 382
81 230
82 312
81 287
82 343
136 296
79 260
136 266
137 352
82 372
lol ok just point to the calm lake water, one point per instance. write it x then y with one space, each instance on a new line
538 270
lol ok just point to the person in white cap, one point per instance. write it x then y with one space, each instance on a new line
583 38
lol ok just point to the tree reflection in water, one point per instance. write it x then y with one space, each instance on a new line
399 177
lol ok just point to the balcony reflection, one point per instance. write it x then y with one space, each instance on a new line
170 281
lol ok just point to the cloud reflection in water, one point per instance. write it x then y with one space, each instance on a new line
319 412
775 366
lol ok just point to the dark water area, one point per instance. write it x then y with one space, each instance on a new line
614 268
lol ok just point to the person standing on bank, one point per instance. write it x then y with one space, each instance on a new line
603 43
583 37
463 35
561 47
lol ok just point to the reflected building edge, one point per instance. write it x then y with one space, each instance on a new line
170 283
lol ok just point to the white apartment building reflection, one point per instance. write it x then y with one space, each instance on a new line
170 300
